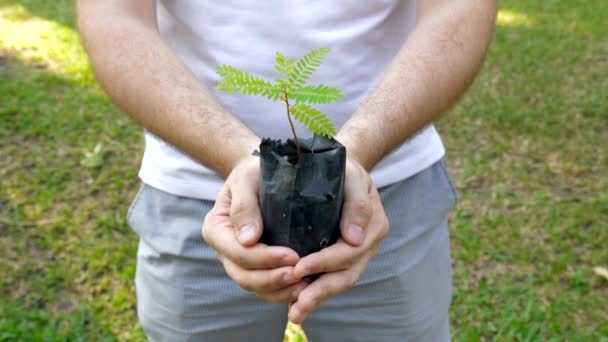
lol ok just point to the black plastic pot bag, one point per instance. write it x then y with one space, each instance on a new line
301 203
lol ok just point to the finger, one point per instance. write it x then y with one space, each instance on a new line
222 202
357 208
259 256
218 232
244 206
337 257
287 295
322 289
218 218
379 222
262 281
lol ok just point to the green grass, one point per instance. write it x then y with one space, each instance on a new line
527 148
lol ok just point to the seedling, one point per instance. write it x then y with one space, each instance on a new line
301 189
291 89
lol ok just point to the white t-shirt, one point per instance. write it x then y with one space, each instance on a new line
364 37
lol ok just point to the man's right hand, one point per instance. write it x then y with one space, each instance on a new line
233 228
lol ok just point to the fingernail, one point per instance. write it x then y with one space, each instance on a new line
356 233
246 233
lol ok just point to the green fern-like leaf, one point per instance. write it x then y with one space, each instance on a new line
314 119
236 80
315 94
292 86
284 65
306 66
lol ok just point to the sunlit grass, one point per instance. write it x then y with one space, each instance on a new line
41 41
513 18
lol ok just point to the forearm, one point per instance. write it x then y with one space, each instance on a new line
431 71
143 77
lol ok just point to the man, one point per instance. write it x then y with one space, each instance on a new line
400 63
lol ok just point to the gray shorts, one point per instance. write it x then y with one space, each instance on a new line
183 293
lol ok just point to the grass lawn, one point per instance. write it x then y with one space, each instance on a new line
527 148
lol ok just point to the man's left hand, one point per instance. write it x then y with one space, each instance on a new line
363 226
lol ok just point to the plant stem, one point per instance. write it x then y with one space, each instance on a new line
293 130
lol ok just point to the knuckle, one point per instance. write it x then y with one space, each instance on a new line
244 283
322 268
351 283
238 208
348 263
206 229
239 259
264 283
385 227
205 235
370 187
239 280
351 280
361 205
384 232
279 278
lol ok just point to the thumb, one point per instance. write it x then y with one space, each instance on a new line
245 210
357 209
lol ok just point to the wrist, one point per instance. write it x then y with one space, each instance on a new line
243 153
361 146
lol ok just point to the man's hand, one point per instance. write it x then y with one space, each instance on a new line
233 228
363 226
